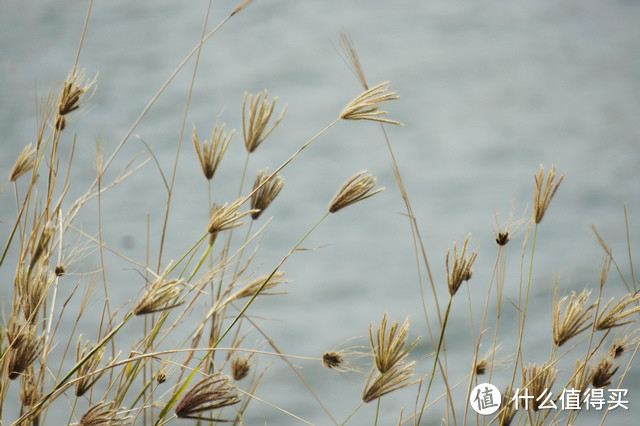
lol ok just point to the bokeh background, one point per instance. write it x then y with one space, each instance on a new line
488 92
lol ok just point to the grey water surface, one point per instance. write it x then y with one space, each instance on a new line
488 92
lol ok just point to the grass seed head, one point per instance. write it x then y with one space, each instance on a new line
460 269
226 217
394 379
602 373
210 152
357 188
86 373
211 393
539 380
544 192
266 191
158 295
25 162
256 120
366 106
259 284
352 59
390 347
575 318
24 347
73 91
102 414
332 359
617 315
240 367
623 343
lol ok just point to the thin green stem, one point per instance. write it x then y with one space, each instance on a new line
352 413
526 305
435 361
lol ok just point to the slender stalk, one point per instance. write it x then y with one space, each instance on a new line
524 309
435 361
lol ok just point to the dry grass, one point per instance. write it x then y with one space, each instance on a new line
147 363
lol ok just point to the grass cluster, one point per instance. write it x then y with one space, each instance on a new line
212 375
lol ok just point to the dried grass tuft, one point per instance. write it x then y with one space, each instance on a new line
538 379
24 163
603 372
226 217
102 414
263 197
616 315
158 296
211 393
24 347
366 106
210 152
73 91
460 270
240 367
542 195
254 126
575 318
259 283
87 375
357 188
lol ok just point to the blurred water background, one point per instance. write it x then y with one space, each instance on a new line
488 92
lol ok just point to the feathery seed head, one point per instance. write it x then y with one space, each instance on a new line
352 59
357 188
86 376
341 358
31 290
210 152
73 90
390 348
575 318
603 372
502 238
103 414
615 316
226 217
542 195
267 192
366 106
394 379
159 294
489 360
240 367
460 270
24 347
259 284
25 162
390 352
537 380
211 393
254 126
623 343
332 359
